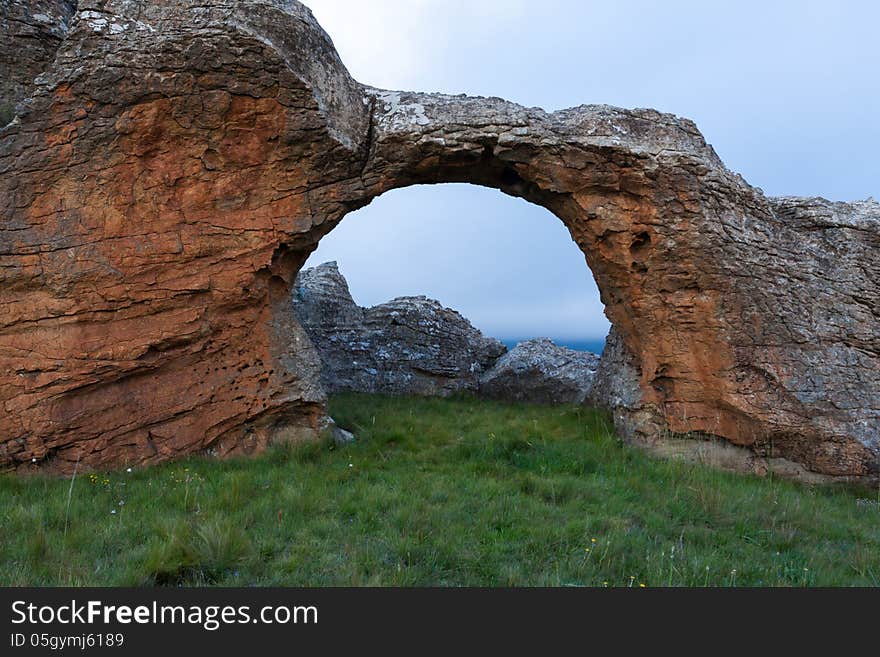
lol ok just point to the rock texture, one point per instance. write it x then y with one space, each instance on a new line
32 31
178 161
542 372
408 346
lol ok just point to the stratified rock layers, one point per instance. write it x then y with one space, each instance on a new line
407 346
178 162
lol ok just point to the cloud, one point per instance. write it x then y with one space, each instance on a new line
396 44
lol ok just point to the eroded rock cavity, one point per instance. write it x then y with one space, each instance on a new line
177 162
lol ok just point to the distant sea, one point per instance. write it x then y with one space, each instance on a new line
596 346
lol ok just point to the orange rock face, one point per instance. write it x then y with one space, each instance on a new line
179 161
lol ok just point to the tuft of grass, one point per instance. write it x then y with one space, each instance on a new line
7 113
438 492
194 553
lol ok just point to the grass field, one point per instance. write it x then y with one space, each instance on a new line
438 492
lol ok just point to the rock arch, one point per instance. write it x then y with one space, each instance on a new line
177 163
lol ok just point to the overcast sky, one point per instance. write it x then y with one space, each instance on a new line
788 93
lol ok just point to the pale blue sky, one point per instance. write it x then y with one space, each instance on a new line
786 92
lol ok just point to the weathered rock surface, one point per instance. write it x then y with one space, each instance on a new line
178 161
542 372
31 32
410 345
616 385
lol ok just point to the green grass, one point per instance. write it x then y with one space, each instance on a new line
7 112
438 492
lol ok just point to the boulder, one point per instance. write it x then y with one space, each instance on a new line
539 371
337 434
407 346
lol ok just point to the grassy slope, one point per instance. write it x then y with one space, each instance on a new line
442 492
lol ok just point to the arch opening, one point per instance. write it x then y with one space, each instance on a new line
436 289
501 262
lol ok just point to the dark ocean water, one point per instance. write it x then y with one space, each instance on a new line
596 346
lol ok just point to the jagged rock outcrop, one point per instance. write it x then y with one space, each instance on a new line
178 161
408 346
542 372
413 345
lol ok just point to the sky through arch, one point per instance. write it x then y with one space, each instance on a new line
449 241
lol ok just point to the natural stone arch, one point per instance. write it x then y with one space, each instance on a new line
178 162
638 191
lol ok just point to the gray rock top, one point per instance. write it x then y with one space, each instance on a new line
540 371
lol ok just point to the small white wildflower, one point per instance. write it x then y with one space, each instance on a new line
128 469
34 460
351 465
113 511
